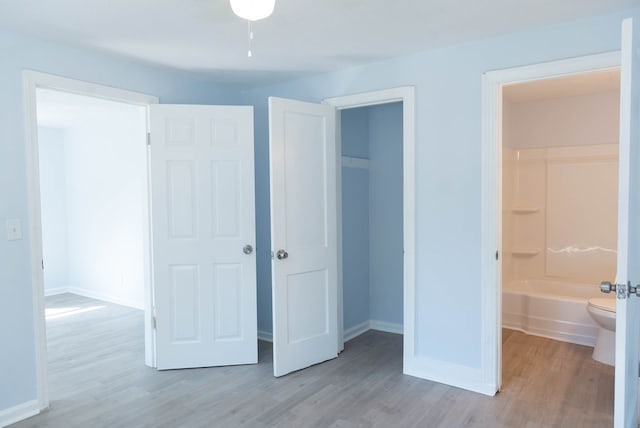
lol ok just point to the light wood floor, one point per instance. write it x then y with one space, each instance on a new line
98 378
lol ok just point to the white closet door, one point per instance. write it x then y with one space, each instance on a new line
303 233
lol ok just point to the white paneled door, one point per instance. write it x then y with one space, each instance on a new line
628 305
203 233
303 233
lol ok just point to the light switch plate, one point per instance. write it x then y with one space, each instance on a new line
14 230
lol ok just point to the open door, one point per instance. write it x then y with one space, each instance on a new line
203 233
302 148
628 305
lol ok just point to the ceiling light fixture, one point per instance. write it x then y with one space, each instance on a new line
252 10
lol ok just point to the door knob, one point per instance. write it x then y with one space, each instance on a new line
247 249
607 287
623 291
282 254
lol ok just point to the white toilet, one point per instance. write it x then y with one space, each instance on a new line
603 311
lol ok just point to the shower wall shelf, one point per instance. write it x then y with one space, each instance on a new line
525 210
525 252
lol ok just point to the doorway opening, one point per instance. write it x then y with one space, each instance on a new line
93 188
413 363
88 204
372 231
559 196
494 210
93 193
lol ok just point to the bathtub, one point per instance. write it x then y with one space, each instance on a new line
557 310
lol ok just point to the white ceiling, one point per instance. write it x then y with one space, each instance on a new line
566 86
301 37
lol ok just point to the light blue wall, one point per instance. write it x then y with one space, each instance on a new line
448 133
448 166
17 356
355 219
355 247
385 212
372 215
354 129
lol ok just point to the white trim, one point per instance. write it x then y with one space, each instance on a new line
363 327
339 265
265 335
492 82
406 95
33 80
357 330
449 374
55 291
20 412
351 162
387 327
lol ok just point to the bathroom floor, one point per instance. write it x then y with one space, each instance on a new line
561 382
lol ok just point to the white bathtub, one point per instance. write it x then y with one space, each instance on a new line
557 310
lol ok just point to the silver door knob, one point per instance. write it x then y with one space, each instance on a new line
607 287
247 249
282 254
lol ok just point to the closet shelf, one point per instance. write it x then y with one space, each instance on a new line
525 210
525 252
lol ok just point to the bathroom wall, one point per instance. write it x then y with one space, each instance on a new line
560 189
372 216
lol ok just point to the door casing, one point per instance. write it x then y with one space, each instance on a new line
491 193
406 95
33 80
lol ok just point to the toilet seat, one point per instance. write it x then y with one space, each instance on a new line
604 304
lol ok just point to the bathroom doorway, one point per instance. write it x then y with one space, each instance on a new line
372 218
558 189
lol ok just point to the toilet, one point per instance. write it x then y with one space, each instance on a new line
603 311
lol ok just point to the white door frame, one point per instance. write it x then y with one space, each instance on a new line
406 95
33 80
491 191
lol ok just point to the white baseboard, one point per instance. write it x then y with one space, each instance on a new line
464 377
265 335
105 297
387 327
356 330
352 332
18 413
56 291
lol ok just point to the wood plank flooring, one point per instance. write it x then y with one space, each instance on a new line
97 378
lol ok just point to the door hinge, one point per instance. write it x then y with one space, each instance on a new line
497 255
623 291
153 322
148 138
42 261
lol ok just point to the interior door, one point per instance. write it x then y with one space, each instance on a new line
203 231
628 305
302 148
